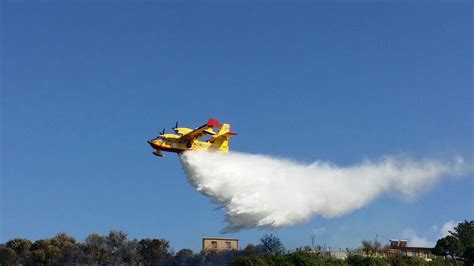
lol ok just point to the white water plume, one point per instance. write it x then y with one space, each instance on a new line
262 191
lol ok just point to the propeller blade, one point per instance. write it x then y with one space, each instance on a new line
176 125
163 132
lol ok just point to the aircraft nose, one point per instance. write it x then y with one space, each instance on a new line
150 142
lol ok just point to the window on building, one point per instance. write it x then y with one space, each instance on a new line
214 244
416 253
228 245
404 253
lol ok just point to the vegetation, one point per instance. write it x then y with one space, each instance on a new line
116 249
459 245
272 245
371 248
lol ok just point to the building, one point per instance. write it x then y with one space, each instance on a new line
400 247
215 244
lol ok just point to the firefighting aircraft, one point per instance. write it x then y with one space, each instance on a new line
187 139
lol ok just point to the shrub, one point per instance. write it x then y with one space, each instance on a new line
249 261
358 260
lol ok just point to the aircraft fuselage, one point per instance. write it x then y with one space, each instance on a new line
188 139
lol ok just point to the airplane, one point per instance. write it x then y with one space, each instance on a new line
187 139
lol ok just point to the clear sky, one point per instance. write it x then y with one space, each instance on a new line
86 83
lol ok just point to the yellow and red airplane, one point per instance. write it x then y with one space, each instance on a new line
187 139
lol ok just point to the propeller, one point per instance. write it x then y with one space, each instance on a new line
175 127
160 133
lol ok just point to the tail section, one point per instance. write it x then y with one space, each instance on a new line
220 141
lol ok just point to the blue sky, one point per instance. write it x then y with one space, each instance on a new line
85 85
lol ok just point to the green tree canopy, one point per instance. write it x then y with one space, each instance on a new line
116 246
21 247
459 244
96 248
184 253
449 246
154 250
465 233
8 256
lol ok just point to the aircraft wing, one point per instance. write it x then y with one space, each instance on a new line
202 130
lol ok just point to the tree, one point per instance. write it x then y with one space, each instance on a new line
130 252
448 246
53 253
184 253
96 249
465 233
154 250
468 255
301 258
8 256
62 239
183 257
249 261
39 256
371 248
459 244
116 246
45 252
64 249
249 250
272 244
38 253
260 249
21 247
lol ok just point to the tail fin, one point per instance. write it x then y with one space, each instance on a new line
220 141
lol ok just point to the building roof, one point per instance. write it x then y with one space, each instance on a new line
219 238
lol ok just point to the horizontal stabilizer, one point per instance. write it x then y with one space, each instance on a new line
209 131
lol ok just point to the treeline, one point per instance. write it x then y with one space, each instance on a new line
113 248
305 258
116 249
